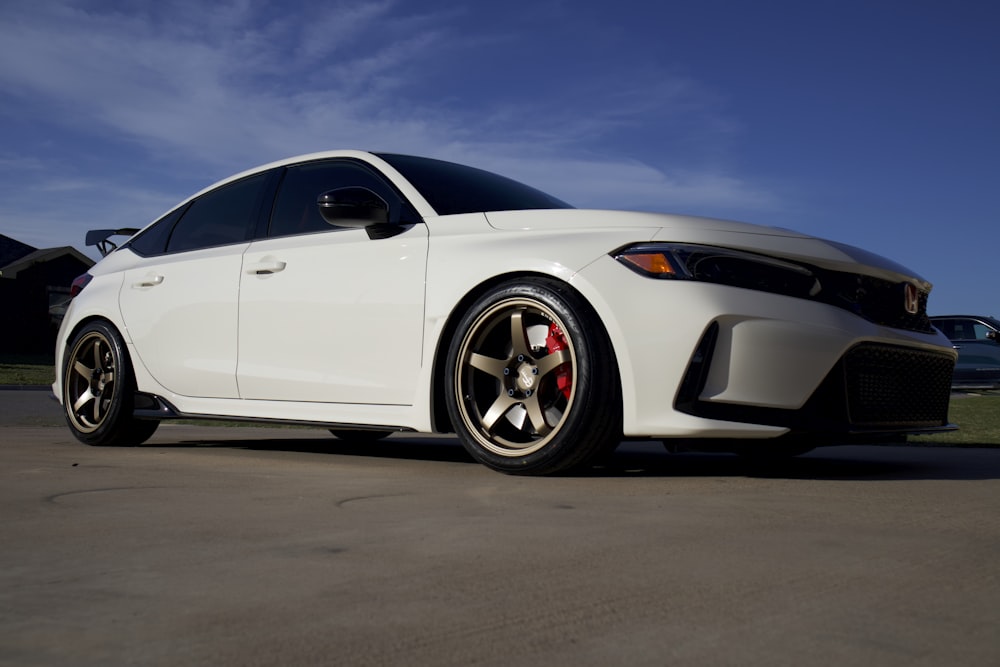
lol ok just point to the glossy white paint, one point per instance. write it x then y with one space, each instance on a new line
341 320
181 315
772 351
336 327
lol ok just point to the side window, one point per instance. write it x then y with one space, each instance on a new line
947 327
295 210
964 330
219 217
981 331
153 241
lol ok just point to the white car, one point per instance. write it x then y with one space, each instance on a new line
370 293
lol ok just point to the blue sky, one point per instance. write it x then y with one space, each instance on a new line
874 123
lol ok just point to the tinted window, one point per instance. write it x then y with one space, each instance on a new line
453 188
153 241
947 327
967 328
295 210
218 217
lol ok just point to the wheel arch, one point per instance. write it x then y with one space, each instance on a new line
440 421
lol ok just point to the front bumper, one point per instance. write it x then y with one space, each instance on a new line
710 361
874 388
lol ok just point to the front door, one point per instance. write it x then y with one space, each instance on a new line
328 314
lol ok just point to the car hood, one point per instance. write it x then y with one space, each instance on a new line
773 241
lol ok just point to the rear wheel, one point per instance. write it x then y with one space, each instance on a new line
98 390
533 387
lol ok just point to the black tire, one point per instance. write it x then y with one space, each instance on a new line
98 390
357 435
532 384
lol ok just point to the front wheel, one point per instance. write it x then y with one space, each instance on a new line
533 386
98 390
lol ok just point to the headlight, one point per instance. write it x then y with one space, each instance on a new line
681 261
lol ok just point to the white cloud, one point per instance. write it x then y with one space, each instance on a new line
214 88
620 183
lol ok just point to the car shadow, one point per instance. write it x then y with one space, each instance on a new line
850 463
650 459
442 449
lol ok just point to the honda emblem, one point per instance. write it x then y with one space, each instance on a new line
911 298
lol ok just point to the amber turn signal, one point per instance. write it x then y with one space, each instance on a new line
651 262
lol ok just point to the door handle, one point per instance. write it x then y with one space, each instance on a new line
266 267
148 281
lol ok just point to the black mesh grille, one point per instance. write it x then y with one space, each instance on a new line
896 386
874 388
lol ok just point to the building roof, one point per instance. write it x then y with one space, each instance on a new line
12 250
38 256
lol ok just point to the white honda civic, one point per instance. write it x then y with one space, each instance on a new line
370 293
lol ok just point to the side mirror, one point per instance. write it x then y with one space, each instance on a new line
358 208
992 335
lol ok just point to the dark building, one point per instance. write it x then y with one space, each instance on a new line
34 290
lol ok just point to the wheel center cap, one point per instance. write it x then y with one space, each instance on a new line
97 381
526 375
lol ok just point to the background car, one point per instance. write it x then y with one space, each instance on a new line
977 339
371 293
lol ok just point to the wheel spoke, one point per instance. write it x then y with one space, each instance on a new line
98 405
550 362
97 353
488 365
536 415
518 334
500 406
81 369
81 401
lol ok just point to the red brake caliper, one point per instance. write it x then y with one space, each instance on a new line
556 342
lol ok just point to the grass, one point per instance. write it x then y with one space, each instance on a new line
977 415
12 372
978 419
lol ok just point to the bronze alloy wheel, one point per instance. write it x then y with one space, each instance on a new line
98 390
516 390
533 389
90 382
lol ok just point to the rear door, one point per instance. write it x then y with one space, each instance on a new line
180 305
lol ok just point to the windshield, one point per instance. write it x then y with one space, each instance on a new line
453 188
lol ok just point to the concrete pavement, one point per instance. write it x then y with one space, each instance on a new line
254 546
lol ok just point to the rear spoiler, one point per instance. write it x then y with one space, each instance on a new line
102 238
